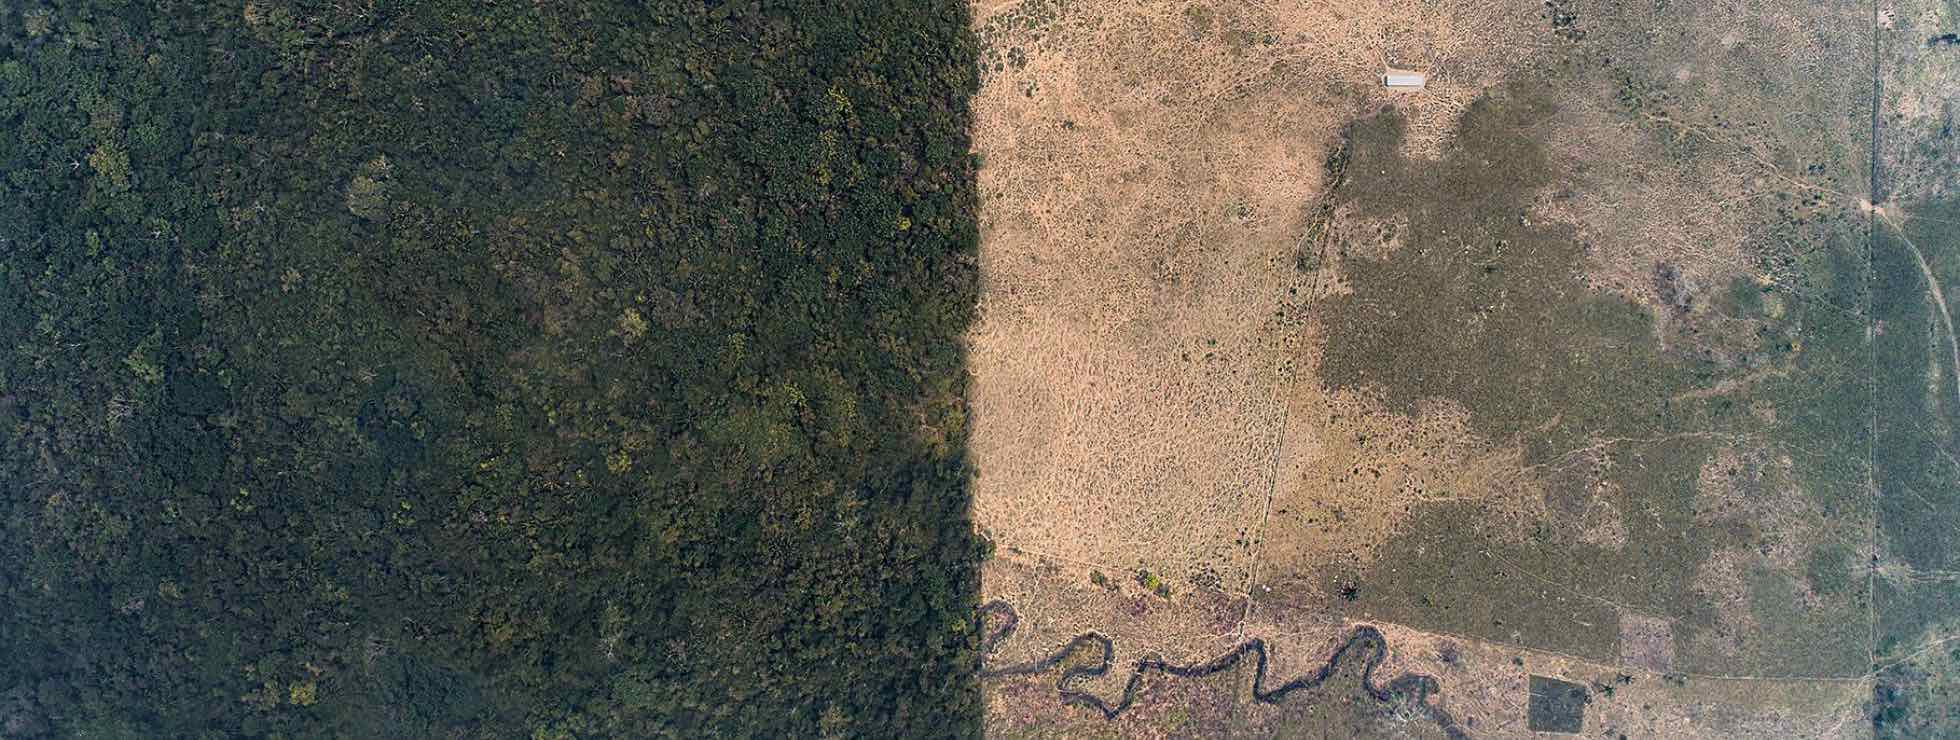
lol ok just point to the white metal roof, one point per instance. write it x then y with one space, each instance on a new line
1402 79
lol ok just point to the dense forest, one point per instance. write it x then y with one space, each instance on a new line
451 368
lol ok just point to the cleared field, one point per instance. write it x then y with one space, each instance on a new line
1576 353
1148 171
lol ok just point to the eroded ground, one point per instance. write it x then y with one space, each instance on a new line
1602 353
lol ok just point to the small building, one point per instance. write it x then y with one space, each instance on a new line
1396 79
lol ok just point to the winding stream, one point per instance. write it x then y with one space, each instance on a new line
1364 643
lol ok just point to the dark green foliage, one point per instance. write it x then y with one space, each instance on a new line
1744 298
472 369
1918 698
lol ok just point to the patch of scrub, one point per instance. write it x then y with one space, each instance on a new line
1918 689
1488 309
1917 455
1352 474
1481 305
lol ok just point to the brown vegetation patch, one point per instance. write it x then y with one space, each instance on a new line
1724 597
1754 497
1646 642
1632 209
1352 472
1709 134
1921 69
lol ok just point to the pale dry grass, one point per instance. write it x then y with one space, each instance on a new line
1144 388
1632 215
1726 121
1148 169
1719 583
1352 473
1646 642
1761 492
1919 149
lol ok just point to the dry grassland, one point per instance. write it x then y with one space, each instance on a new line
1154 239
1921 70
1148 169
1351 473
1741 113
